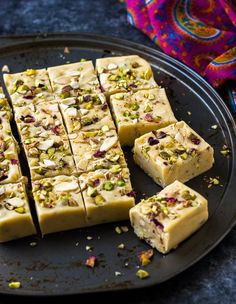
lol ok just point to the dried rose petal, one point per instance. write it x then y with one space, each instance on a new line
148 117
194 139
99 154
56 130
132 85
96 182
153 141
132 193
155 221
145 257
66 88
27 118
95 119
171 199
2 177
91 261
87 98
28 96
161 135
14 161
179 151
40 85
104 106
101 88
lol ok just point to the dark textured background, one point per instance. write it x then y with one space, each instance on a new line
211 280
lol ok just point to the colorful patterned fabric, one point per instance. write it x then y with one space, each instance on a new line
200 33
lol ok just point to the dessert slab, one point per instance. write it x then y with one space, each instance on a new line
55 265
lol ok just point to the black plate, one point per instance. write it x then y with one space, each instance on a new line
56 265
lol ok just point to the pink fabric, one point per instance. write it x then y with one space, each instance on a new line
200 33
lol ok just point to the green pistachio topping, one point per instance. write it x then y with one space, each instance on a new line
108 186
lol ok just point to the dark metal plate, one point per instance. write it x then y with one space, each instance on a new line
56 265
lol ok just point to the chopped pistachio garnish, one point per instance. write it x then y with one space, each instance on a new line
121 246
30 72
214 127
91 191
118 230
225 150
213 181
124 228
108 186
142 274
145 257
89 248
91 261
99 200
14 284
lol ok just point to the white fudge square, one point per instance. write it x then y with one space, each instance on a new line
173 153
29 87
99 149
74 79
124 73
59 204
169 217
15 216
85 113
107 195
40 121
141 112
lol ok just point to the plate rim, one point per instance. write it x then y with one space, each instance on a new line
8 41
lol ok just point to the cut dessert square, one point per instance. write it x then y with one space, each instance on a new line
125 73
74 79
108 196
138 113
59 204
50 157
88 112
29 87
97 150
40 121
5 127
10 171
4 105
15 216
173 153
169 217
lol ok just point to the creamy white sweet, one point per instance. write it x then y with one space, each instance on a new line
173 153
169 217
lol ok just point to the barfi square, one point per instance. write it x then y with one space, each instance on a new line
4 105
15 216
97 150
49 158
59 204
10 171
173 153
169 217
107 195
125 73
29 87
138 113
40 121
85 113
74 79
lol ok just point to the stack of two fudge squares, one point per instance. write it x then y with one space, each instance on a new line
168 151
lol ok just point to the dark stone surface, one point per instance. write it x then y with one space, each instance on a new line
211 280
